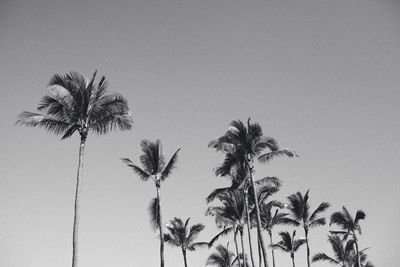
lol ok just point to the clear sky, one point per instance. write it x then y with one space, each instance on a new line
322 77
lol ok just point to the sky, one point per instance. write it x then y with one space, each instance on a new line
321 77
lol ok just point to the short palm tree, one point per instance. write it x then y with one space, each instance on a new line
231 216
344 254
222 258
241 144
289 244
269 219
181 236
154 168
350 226
299 208
75 104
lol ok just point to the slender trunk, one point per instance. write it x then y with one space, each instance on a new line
237 248
184 256
259 229
248 227
243 253
272 249
160 228
357 251
308 247
259 253
292 256
76 205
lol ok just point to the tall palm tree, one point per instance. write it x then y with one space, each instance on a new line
269 219
181 236
289 244
344 254
154 168
231 216
300 210
241 144
75 104
350 226
222 258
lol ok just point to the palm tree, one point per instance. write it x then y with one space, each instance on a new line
344 254
289 244
242 144
75 104
154 168
270 219
222 258
350 226
231 216
300 210
181 236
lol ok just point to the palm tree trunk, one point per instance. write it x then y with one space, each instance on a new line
184 256
308 247
244 254
76 205
248 227
292 256
259 253
358 253
272 249
259 229
237 248
160 228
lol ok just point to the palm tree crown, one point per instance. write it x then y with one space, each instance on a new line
289 244
344 253
345 221
181 236
222 258
76 104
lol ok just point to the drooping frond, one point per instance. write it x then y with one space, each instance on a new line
360 215
154 212
215 193
47 122
324 257
278 153
317 222
144 176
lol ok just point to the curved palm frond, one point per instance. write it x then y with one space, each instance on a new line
278 153
170 166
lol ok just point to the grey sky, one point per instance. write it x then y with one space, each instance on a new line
322 77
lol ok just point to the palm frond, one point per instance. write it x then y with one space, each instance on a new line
278 153
317 222
47 122
170 166
144 176
154 212
321 208
324 257
223 233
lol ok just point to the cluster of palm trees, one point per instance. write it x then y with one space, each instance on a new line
75 104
